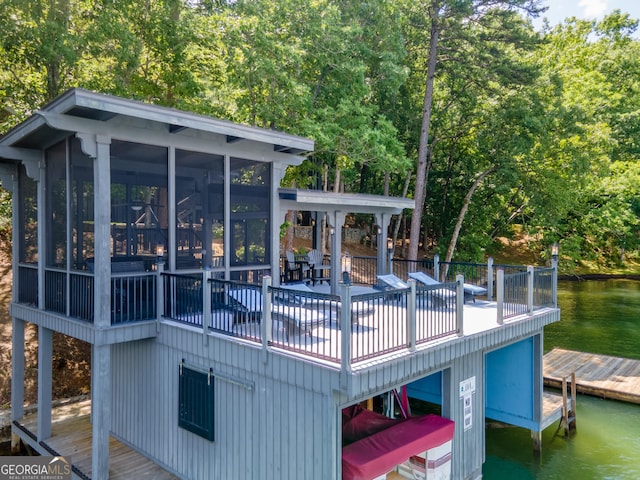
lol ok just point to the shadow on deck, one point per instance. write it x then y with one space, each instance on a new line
71 437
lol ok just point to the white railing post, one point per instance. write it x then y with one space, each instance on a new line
530 285
206 304
411 315
265 322
345 328
490 278
554 287
436 267
159 295
500 295
460 304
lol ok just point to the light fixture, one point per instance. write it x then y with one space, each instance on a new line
160 251
555 250
379 230
346 262
332 231
136 206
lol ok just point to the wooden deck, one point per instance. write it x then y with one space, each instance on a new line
599 375
71 436
552 408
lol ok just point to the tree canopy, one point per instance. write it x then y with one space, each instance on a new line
498 128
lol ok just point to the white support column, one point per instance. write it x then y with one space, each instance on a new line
436 267
42 232
102 234
100 411
277 174
45 381
101 355
170 249
383 263
337 221
17 377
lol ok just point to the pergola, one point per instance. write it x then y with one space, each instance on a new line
336 206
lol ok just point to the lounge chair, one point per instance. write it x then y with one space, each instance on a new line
470 291
293 317
358 309
391 281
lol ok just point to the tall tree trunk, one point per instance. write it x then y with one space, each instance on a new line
461 215
396 228
423 149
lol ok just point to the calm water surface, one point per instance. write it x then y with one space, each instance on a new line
600 317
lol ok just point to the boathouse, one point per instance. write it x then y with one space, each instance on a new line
153 235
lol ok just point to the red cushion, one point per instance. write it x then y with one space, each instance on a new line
358 422
381 452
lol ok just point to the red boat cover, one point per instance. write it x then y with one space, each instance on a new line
379 453
358 422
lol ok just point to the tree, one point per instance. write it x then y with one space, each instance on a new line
445 19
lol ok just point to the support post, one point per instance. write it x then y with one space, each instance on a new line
436 267
206 304
411 315
500 295
554 287
17 378
460 303
265 323
160 295
100 411
345 329
45 381
530 285
490 279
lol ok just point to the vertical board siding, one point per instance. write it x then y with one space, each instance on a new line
276 418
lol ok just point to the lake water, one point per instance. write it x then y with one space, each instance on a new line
599 317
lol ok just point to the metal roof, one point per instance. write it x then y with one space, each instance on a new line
83 104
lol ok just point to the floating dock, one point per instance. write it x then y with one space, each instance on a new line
599 375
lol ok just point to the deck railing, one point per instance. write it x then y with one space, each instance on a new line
324 326
342 329
28 284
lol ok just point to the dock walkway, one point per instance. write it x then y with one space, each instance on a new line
71 436
599 375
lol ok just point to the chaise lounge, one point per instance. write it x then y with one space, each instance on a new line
294 318
470 291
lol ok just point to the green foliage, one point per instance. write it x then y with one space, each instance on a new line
554 117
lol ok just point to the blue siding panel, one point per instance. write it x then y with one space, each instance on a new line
510 384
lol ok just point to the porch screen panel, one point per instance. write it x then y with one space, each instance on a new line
250 211
139 214
28 212
199 210
56 203
81 185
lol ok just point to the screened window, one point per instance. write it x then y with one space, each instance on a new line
56 202
196 402
28 251
250 210
199 210
81 187
139 216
